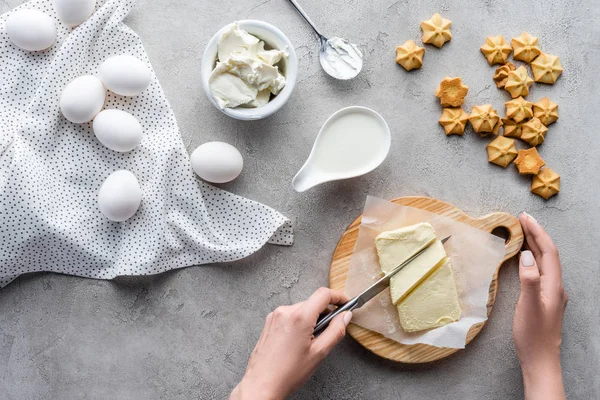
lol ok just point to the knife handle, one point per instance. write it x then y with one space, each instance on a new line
324 320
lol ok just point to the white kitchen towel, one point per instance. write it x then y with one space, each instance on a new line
51 170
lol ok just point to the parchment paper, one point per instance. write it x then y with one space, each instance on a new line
474 254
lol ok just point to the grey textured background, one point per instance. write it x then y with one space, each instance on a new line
188 333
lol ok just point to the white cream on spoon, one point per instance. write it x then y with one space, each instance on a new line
352 142
339 58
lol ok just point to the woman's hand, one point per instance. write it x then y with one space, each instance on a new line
539 314
287 354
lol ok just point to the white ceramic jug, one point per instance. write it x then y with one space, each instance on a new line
353 141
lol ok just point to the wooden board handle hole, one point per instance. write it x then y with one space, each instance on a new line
502 232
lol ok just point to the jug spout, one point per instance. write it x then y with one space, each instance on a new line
305 179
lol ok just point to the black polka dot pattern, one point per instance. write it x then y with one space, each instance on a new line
51 171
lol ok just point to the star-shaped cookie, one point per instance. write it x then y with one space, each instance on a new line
484 118
512 129
409 55
526 47
501 151
519 109
452 92
454 121
436 30
546 68
496 50
533 132
546 110
546 183
518 82
501 74
529 162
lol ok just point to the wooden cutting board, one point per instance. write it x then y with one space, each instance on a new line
420 353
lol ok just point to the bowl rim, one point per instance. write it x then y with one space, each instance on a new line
291 71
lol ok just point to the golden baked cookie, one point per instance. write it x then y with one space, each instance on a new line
409 55
484 118
546 110
533 132
529 162
518 82
512 129
546 183
519 109
454 121
496 50
525 47
546 68
452 92
501 74
436 30
501 151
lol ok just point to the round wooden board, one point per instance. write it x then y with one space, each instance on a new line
421 353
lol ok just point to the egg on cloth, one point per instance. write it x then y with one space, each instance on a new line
31 30
82 99
120 196
125 75
74 12
118 130
217 162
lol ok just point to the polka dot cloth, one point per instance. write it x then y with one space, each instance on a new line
51 171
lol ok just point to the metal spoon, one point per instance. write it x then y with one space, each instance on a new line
339 58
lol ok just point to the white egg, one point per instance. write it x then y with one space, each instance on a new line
82 99
125 75
217 162
31 30
74 12
120 196
118 130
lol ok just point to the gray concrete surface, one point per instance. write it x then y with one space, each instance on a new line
188 333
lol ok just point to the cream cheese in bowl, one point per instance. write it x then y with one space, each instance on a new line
249 69
246 75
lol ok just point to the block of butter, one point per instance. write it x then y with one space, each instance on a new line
431 304
395 247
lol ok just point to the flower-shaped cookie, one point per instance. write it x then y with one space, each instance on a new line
518 82
496 50
546 68
546 184
533 132
529 162
501 74
546 110
484 118
409 55
526 47
436 30
454 121
501 151
519 109
452 92
512 129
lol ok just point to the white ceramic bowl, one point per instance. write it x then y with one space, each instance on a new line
273 38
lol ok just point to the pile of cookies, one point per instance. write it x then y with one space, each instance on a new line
524 120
